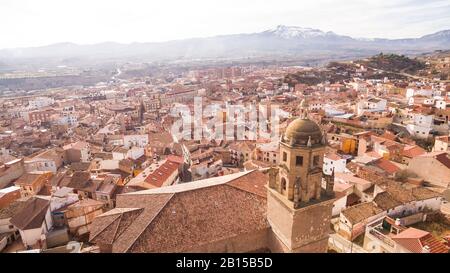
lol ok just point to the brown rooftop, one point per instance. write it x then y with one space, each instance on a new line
361 212
32 215
181 219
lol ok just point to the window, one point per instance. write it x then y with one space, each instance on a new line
316 160
283 184
284 156
299 160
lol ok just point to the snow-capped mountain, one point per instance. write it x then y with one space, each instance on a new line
286 42
444 34
291 32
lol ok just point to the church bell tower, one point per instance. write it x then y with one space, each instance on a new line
299 209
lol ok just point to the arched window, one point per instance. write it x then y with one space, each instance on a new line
283 184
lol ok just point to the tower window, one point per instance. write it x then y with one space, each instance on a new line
316 160
299 160
284 156
283 184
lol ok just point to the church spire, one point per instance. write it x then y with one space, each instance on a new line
303 107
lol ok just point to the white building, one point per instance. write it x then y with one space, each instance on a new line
69 120
441 104
441 144
40 102
135 140
333 161
420 125
371 105
410 92
206 169
134 152
270 152
33 222
40 165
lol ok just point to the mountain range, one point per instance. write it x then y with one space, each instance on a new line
279 42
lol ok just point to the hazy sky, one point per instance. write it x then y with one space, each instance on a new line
26 23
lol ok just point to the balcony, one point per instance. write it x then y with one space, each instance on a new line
382 237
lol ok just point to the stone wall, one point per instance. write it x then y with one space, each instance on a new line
242 243
298 230
311 227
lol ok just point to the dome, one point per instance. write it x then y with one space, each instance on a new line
300 131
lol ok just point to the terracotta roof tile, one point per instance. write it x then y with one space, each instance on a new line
386 201
162 173
361 212
179 220
444 159
415 240
32 215
387 166
413 151
254 182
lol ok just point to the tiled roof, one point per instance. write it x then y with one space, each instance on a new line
385 201
57 179
255 164
413 151
178 218
422 193
415 240
12 209
350 178
254 182
80 166
387 166
32 215
352 199
162 173
333 156
82 181
396 195
176 159
361 212
400 193
444 159
86 202
106 228
108 185
77 145
27 178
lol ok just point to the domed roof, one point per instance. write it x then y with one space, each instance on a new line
301 130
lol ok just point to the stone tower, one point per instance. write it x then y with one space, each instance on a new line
299 210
